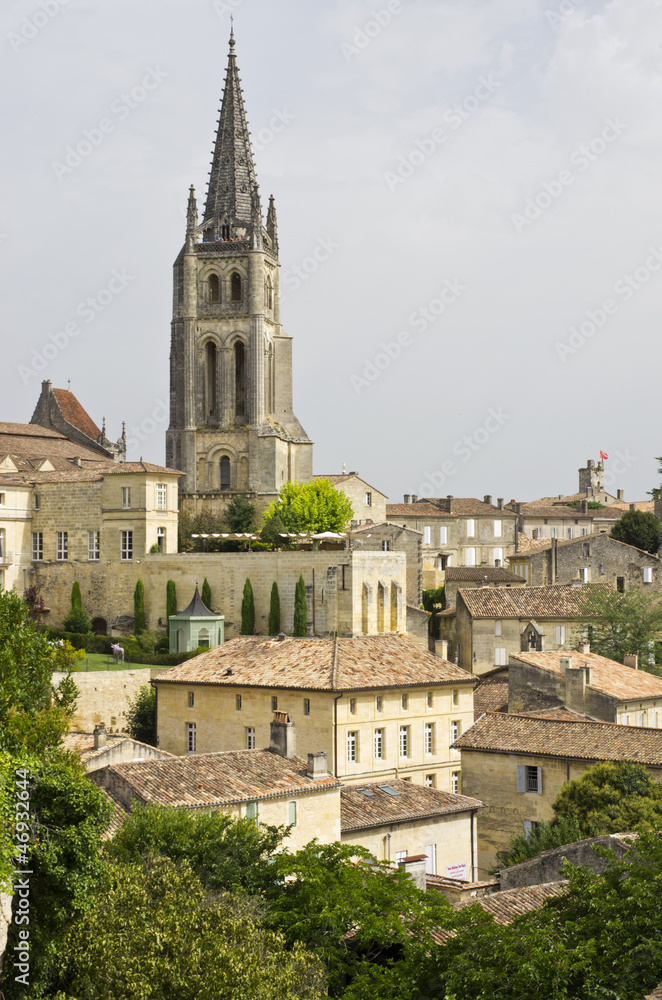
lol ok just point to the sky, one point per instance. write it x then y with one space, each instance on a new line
469 201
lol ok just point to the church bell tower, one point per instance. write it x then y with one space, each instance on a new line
232 426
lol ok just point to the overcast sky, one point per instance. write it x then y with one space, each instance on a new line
459 186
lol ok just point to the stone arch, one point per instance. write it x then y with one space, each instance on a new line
239 368
225 472
366 599
396 600
214 287
236 286
211 379
382 603
100 626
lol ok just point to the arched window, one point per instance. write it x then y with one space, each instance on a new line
225 473
210 378
269 296
214 288
239 380
235 287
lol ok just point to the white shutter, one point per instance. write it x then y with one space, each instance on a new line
521 778
443 536
497 529
426 536
648 574
431 860
500 656
470 557
471 528
539 769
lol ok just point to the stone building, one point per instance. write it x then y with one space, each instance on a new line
546 520
388 537
232 426
380 707
59 410
517 765
593 559
468 577
368 504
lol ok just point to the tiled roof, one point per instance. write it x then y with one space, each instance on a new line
462 507
359 810
214 779
510 903
30 430
540 509
422 509
367 528
608 676
83 745
491 695
529 546
555 601
318 664
36 442
560 713
74 414
344 477
493 574
583 740
120 468
119 814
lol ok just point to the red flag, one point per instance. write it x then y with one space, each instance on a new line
604 455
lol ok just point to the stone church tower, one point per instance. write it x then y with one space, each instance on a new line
232 427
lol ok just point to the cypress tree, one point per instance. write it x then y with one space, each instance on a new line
77 620
206 593
171 599
248 610
139 622
300 608
76 599
274 611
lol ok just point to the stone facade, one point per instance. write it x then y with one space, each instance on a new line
58 409
104 695
547 867
387 537
368 504
594 559
232 426
15 539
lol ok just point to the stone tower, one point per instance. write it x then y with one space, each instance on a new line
232 426
591 478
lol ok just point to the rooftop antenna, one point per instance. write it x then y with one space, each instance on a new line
69 385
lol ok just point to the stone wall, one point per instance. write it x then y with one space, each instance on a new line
531 689
547 866
103 696
603 557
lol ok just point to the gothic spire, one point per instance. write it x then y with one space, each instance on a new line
232 196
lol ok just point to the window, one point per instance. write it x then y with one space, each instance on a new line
93 538
471 528
404 741
2 544
379 744
455 782
191 699
190 743
251 811
214 288
126 549
405 701
530 827
498 529
470 557
237 702
569 532
386 545
652 718
126 497
559 633
584 531
235 287
378 703
500 656
161 496
427 535
226 473
620 584
2 499
368 499
306 706
430 699
497 557
400 856
430 780
37 502
352 706
498 627
583 574
455 730
443 536
291 814
456 696
250 737
529 779
640 718
62 545
274 704
648 574
554 533
429 737
37 546
161 539
352 746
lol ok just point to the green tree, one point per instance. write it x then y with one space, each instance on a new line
226 853
171 600
141 716
611 797
77 620
544 837
153 933
312 506
639 528
434 601
274 610
139 621
248 610
300 608
623 623
206 593
76 599
239 515
272 531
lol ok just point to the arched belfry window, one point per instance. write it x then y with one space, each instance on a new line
210 378
239 380
214 288
226 483
235 287
269 293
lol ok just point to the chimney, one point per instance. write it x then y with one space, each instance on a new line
583 506
500 503
633 506
99 736
631 660
449 500
565 663
584 648
414 498
414 865
406 498
497 562
620 495
317 766
575 688
283 735
487 499
441 648
517 507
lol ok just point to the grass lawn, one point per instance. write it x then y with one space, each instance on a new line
104 661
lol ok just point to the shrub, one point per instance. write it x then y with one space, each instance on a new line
300 608
248 610
139 621
274 611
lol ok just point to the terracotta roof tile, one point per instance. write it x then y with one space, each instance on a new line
556 601
510 903
215 779
119 814
528 546
33 441
363 806
74 414
493 574
583 740
608 676
318 664
560 713
539 509
491 695
344 477
462 507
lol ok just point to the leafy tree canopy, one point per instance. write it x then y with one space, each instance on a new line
239 515
141 716
611 797
312 506
639 528
544 837
623 623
